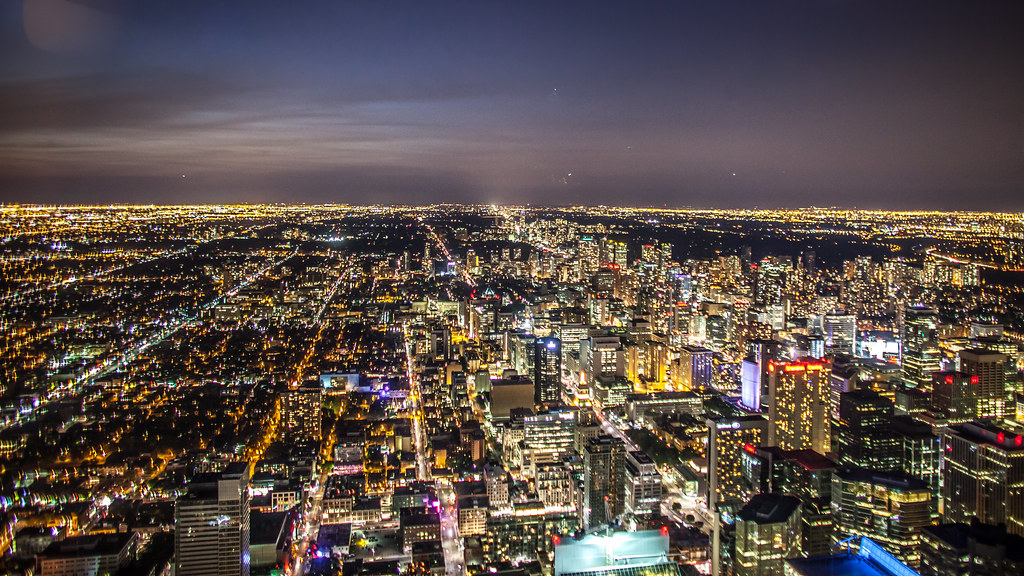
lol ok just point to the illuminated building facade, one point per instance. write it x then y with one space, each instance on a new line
954 393
602 481
301 412
548 437
889 508
768 531
548 371
990 389
695 367
921 354
799 405
801 473
641 485
865 435
211 536
983 475
728 438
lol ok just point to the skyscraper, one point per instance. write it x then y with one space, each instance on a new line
548 371
602 483
798 409
301 412
768 531
840 332
983 475
695 367
727 440
211 524
889 508
921 354
954 394
641 484
865 435
990 391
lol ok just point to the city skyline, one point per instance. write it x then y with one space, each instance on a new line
906 106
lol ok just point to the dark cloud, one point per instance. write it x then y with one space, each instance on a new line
682 103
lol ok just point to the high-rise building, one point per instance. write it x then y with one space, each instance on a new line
801 473
301 412
954 393
728 438
983 474
548 371
799 405
889 508
641 485
990 390
768 531
920 454
974 549
602 481
921 354
865 435
548 437
840 332
604 356
695 368
211 524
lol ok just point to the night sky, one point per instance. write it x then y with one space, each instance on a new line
888 104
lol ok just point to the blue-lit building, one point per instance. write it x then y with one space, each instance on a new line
870 559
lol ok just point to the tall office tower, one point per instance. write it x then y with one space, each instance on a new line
301 412
608 281
983 475
695 368
920 453
798 412
974 549
589 255
801 473
768 531
604 357
719 330
523 353
548 371
990 391
954 393
616 253
921 354
865 435
641 485
840 331
889 508
727 440
211 524
441 343
762 352
602 481
548 437
843 378
750 384
771 278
